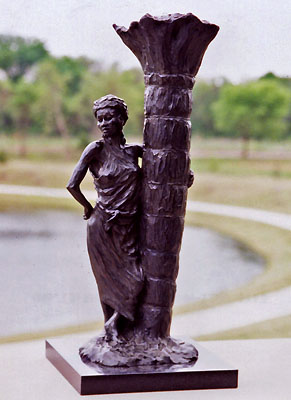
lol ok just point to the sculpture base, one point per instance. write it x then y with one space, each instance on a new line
138 350
209 372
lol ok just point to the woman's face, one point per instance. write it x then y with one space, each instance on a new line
109 121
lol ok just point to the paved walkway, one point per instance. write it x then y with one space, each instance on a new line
279 220
224 317
42 191
234 315
264 372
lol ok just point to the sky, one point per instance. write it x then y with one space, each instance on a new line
254 36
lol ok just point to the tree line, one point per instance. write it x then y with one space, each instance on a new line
43 95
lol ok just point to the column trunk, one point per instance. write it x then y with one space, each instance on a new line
170 50
166 167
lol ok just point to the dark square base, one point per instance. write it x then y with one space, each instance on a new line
209 372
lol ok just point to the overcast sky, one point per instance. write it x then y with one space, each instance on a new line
254 36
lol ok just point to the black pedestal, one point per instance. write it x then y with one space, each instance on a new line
209 372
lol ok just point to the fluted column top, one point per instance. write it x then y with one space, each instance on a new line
171 44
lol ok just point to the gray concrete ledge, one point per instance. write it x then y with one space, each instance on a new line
264 373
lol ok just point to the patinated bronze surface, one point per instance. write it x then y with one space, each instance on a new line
209 372
135 229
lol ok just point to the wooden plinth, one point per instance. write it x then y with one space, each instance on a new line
209 372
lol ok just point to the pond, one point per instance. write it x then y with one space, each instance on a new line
46 279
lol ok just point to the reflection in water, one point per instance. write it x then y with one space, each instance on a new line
46 280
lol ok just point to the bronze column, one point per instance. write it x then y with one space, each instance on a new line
170 50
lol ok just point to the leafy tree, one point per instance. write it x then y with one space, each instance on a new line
6 118
73 70
285 82
18 55
51 105
22 112
131 88
127 85
252 110
204 95
80 113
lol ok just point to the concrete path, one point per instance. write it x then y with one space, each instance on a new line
264 372
234 315
224 317
279 220
42 191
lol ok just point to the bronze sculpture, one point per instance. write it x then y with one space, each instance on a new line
113 223
170 50
136 227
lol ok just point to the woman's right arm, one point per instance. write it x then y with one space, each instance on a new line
77 177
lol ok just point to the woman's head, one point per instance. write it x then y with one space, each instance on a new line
111 114
113 102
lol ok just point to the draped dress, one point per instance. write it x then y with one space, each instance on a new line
112 232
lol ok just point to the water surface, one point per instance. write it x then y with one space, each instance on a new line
46 279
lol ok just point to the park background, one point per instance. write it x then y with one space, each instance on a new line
57 58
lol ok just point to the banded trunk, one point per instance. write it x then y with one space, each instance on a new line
170 50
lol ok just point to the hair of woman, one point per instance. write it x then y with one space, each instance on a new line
113 102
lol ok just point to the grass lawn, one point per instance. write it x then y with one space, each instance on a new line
17 203
211 147
273 328
264 192
243 168
235 182
36 173
272 243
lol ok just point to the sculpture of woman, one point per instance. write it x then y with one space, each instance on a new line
137 300
112 230
113 246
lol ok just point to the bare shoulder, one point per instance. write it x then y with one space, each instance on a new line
92 150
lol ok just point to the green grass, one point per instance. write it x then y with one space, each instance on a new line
39 148
272 243
273 328
267 193
91 326
39 173
243 168
18 203
210 146
264 191
43 148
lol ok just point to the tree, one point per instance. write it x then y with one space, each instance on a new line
73 70
51 105
80 113
6 118
205 94
285 82
252 110
130 87
125 84
18 55
22 111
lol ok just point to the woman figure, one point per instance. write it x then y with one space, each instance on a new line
112 231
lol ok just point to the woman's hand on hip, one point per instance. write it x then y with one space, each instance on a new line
87 212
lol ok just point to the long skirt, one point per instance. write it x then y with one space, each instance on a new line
114 259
